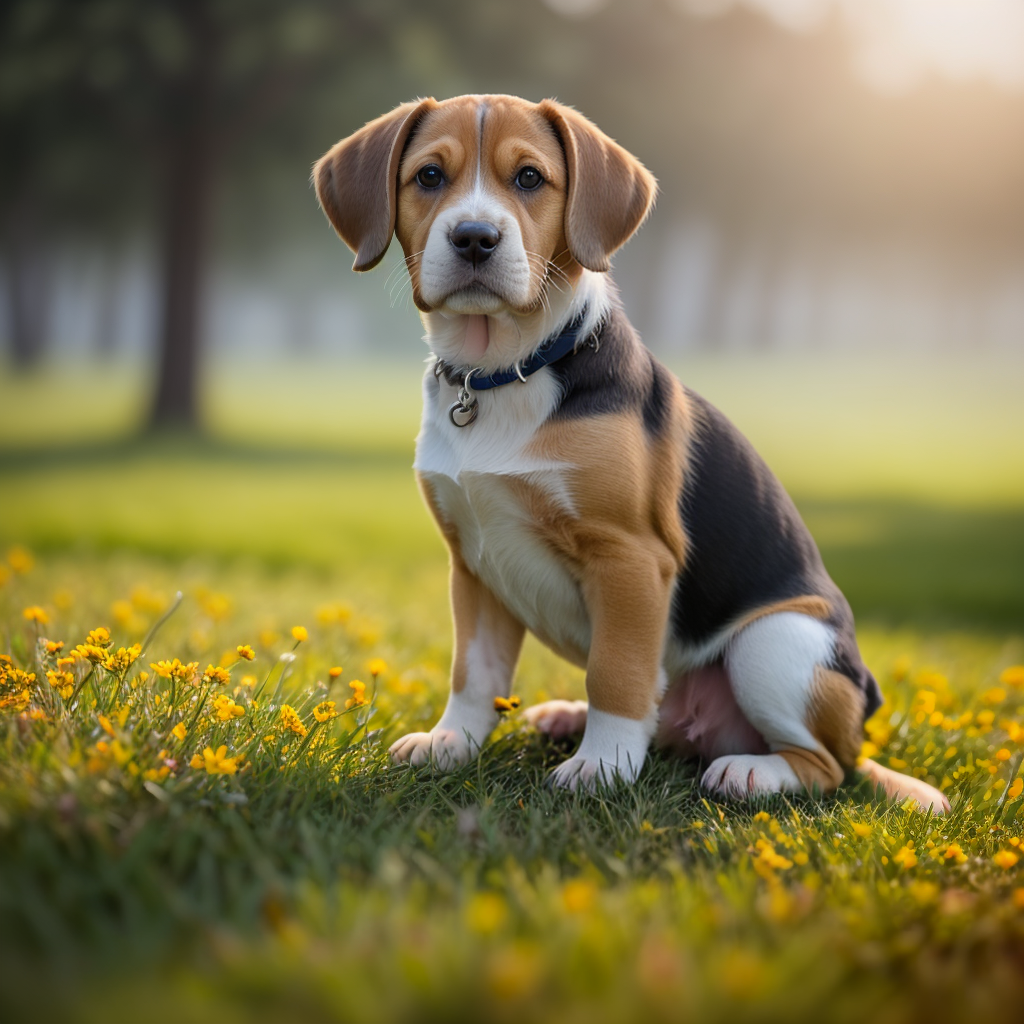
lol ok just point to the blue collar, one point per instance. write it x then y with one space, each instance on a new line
550 351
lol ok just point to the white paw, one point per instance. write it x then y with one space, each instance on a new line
445 748
746 775
558 718
586 773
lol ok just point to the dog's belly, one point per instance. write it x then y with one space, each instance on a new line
503 548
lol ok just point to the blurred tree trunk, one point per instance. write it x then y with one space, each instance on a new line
28 285
189 163
186 221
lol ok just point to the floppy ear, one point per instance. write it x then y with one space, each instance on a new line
610 191
357 182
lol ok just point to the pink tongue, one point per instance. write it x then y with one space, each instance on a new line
477 337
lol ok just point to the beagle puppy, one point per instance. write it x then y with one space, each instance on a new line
583 492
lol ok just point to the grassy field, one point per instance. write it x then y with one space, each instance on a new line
295 875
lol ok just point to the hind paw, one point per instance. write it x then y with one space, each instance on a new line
558 718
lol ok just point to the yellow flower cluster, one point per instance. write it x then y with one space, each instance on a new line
36 614
216 762
216 676
62 682
226 710
290 721
175 670
324 711
358 698
505 704
122 659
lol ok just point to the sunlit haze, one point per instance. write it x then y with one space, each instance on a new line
899 43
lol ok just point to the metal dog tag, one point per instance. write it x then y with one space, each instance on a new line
465 410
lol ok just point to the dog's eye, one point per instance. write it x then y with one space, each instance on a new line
430 176
528 178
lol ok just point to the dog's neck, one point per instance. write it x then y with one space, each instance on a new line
501 340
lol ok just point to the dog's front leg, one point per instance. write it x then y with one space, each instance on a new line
628 592
487 644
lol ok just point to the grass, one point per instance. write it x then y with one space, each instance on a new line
321 883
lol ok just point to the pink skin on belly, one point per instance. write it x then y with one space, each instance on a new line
699 717
477 337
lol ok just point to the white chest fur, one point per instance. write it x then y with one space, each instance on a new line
470 470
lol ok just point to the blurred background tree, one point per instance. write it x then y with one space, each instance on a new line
810 194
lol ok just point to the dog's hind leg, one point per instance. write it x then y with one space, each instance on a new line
810 716
558 718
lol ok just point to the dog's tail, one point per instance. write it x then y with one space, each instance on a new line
899 787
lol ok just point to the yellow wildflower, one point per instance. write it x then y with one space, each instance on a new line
955 853
216 762
996 695
36 614
376 667
1012 676
897 762
54 646
300 633
335 671
226 709
324 711
216 675
861 829
217 606
768 860
174 669
762 816
486 912
122 658
578 896
99 637
905 856
1015 790
178 732
106 755
105 725
122 612
91 652
358 698
1003 754
290 720
62 682
20 559
246 652
505 704
1005 859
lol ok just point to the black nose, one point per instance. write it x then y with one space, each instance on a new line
474 240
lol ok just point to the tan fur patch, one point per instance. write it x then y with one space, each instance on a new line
836 715
812 605
816 769
622 540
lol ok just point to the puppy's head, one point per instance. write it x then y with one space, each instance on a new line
489 196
